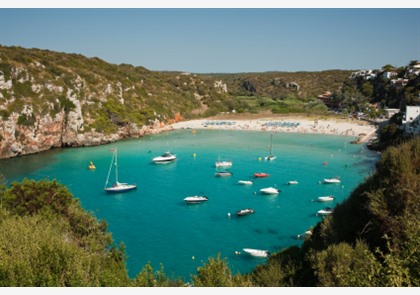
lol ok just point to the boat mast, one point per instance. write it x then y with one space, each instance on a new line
110 168
116 167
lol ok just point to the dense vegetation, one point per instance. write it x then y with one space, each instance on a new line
282 92
371 239
48 239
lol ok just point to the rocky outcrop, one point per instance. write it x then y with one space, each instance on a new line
28 131
48 133
45 106
220 86
17 139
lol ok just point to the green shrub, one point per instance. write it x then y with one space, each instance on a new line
26 120
22 89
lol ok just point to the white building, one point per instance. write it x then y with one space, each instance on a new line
411 120
366 74
389 75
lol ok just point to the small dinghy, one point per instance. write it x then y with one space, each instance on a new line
245 182
261 175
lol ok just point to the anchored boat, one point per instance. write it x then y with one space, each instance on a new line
195 199
118 187
270 156
270 191
261 175
223 174
246 211
245 182
256 252
324 212
325 198
166 157
332 180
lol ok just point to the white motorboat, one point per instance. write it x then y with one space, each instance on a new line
220 164
270 191
256 252
325 198
245 182
324 212
246 211
332 180
223 174
118 187
166 157
195 199
292 182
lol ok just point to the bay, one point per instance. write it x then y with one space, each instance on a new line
157 226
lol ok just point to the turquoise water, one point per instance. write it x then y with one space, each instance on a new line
157 226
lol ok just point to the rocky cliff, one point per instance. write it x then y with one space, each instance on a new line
45 105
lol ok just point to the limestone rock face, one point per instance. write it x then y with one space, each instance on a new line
47 133
46 106
17 139
62 130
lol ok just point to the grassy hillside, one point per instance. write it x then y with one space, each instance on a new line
113 95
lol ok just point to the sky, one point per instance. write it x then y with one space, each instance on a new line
212 39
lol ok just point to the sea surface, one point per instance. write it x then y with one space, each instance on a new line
156 225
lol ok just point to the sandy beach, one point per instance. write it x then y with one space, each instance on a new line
360 129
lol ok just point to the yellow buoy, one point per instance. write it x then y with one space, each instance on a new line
194 155
91 166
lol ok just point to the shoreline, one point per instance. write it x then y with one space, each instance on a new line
362 130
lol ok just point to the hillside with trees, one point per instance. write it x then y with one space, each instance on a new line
44 77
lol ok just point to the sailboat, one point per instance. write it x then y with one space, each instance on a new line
270 156
118 187
220 163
